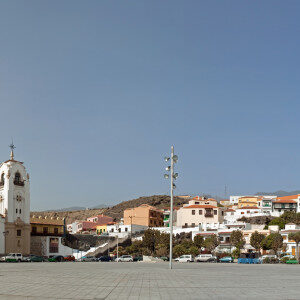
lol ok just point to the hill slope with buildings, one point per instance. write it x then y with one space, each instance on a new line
115 211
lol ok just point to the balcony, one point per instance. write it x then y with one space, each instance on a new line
208 215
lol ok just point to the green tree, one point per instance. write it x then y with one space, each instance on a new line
211 243
273 241
151 239
194 250
179 250
237 239
162 250
199 241
278 221
295 236
256 240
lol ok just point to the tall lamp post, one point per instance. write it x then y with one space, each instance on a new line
173 158
117 228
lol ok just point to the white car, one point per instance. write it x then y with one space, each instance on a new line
12 257
125 258
262 258
185 258
205 258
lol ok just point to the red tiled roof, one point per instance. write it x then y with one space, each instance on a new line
291 197
229 209
284 201
249 207
200 206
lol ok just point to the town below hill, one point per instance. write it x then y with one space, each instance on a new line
116 211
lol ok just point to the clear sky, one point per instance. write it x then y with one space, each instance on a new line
94 93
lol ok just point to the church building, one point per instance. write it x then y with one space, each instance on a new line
14 207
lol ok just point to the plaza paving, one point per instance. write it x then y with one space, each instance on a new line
110 280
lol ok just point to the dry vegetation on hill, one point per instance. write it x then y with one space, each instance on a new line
116 211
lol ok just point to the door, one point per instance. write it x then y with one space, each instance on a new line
294 251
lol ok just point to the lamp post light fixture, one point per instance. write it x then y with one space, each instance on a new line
172 176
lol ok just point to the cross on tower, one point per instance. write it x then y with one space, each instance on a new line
12 147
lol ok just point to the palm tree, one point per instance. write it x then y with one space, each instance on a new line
295 236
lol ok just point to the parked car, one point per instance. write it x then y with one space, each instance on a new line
269 258
89 258
36 258
12 257
287 257
56 258
185 258
205 258
249 258
226 259
104 258
164 258
69 258
292 261
125 258
138 258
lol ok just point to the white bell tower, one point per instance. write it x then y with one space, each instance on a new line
15 204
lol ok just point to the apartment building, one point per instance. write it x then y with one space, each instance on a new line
145 215
199 212
249 201
287 203
46 236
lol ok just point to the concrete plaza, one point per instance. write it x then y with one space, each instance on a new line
111 280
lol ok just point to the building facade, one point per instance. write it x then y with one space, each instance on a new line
15 206
144 215
198 213
46 236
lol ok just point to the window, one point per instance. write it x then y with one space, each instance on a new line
16 210
53 245
196 202
248 211
17 180
45 230
55 230
215 212
112 230
193 212
2 180
34 229
242 213
193 224
222 213
19 232
126 229
20 210
200 211
120 228
221 238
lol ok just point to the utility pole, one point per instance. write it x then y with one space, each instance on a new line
173 176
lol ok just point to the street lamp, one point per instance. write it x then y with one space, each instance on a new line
117 228
172 176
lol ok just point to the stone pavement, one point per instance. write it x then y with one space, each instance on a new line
111 280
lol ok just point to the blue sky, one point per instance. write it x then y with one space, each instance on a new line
94 93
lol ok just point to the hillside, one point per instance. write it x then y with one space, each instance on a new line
158 201
70 216
115 211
